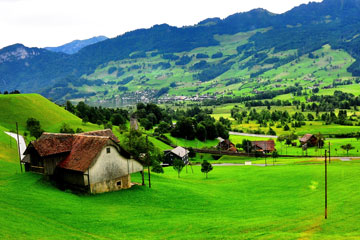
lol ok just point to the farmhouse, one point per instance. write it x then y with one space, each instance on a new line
91 161
263 146
309 139
176 153
226 145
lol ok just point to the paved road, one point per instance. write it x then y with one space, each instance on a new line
22 142
252 135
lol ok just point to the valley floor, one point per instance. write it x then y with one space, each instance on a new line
236 202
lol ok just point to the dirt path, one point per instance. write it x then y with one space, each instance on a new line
22 142
252 135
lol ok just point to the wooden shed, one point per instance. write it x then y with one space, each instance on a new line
309 139
92 161
263 146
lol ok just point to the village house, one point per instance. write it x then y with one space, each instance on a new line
226 145
309 139
263 146
91 161
176 153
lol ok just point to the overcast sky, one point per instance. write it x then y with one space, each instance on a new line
42 23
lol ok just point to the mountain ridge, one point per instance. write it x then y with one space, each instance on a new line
303 29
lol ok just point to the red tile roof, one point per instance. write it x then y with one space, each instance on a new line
53 143
82 148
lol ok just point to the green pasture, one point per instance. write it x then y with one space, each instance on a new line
19 107
236 202
193 143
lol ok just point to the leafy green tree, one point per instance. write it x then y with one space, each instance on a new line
275 155
192 153
347 148
163 127
66 128
206 167
271 132
33 126
310 117
156 167
286 127
201 132
221 130
246 145
178 165
118 119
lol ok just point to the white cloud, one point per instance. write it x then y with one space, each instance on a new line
54 22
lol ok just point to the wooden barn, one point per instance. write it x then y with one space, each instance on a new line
91 161
309 139
226 145
263 146
176 153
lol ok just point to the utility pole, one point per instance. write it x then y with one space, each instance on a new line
325 187
329 153
148 159
18 143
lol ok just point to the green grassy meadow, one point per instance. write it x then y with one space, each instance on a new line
19 107
236 202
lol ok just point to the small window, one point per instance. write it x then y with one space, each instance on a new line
118 183
108 150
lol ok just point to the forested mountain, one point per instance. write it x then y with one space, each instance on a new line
76 45
242 48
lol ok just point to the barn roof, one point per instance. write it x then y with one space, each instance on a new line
52 143
264 145
306 137
180 151
82 148
105 133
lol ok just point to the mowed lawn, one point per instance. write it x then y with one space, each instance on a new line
236 202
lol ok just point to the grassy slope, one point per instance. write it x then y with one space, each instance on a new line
19 107
283 202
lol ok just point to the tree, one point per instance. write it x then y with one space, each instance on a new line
275 155
286 127
192 153
33 126
157 168
271 132
65 128
347 148
310 117
201 132
118 119
206 167
178 165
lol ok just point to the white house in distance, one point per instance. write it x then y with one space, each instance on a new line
91 161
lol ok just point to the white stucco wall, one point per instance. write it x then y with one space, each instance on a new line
111 165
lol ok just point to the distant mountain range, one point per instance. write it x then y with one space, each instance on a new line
76 45
199 59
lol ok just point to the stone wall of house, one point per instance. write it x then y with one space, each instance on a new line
119 183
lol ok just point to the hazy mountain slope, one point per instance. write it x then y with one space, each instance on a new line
76 45
240 47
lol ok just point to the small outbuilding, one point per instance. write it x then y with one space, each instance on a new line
263 146
226 145
309 139
92 161
176 153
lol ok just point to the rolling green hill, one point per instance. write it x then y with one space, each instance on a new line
19 107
